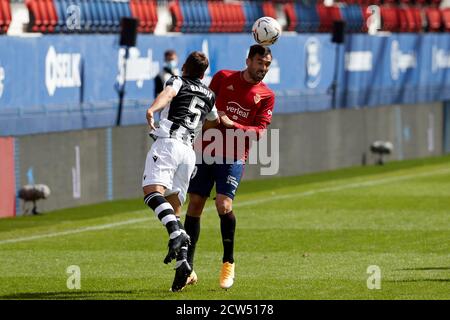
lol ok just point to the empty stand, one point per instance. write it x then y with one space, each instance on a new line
219 16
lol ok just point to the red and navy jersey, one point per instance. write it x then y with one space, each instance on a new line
249 105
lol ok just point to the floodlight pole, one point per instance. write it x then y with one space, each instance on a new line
335 76
121 87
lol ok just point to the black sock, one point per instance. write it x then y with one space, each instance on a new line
182 254
192 227
164 212
227 227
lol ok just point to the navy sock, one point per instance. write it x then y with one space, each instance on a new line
227 228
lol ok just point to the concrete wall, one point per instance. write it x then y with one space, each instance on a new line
111 161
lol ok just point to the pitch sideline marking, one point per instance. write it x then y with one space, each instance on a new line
74 231
241 204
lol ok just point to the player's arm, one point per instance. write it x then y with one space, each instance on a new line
262 119
171 89
212 119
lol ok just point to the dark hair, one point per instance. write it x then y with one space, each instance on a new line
196 64
259 49
169 53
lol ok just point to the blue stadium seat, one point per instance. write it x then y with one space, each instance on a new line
60 22
108 15
86 16
308 18
187 19
352 15
252 12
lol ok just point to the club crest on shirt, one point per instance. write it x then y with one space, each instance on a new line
257 98
230 87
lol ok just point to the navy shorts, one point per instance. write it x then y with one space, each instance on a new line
226 177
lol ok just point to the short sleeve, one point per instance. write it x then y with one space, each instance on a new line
175 82
212 115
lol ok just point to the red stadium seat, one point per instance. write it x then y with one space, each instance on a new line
327 16
213 14
153 13
222 24
240 17
291 16
177 17
407 22
136 12
434 19
2 20
224 18
417 14
446 18
269 9
5 15
52 16
142 5
36 22
365 14
42 7
389 17
236 15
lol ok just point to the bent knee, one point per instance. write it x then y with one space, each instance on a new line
224 205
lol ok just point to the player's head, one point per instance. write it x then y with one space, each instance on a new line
258 62
195 65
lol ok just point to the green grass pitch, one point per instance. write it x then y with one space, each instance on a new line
306 237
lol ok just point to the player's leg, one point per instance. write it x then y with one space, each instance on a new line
200 187
160 167
182 268
179 190
228 177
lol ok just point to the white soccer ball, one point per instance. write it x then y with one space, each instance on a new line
266 31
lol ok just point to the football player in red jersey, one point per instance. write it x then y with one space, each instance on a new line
244 103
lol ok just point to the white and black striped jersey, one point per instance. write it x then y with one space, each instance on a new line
185 115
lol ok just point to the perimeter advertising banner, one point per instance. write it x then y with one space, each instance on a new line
61 82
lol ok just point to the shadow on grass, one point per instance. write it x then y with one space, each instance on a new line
81 294
419 280
424 269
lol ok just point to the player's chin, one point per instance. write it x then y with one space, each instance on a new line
260 76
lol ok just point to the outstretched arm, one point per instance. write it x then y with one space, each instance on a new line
161 101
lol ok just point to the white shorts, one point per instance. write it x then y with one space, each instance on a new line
170 164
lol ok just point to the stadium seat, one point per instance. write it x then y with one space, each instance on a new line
407 21
389 17
5 15
353 16
418 17
434 19
446 19
36 23
327 15
308 18
136 12
177 17
291 16
269 9
252 11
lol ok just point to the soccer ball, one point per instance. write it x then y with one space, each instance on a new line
266 31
